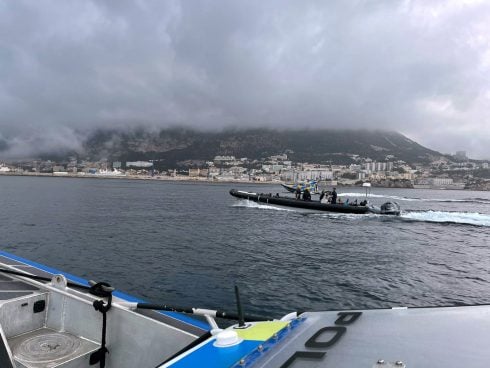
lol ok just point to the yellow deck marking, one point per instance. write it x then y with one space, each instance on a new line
261 331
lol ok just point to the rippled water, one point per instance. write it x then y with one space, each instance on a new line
188 244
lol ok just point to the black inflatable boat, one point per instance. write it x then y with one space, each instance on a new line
389 208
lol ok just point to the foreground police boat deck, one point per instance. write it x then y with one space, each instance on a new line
388 208
55 324
47 320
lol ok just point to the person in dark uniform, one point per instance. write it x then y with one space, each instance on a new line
334 196
306 195
298 192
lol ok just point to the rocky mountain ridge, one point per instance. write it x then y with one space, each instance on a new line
185 147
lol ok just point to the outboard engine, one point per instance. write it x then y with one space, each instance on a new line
390 208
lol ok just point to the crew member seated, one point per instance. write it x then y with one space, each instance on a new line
306 195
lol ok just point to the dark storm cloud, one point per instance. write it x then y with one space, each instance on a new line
421 68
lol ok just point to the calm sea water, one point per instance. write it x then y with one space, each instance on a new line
188 244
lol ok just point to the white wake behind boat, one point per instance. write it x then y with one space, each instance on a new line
49 318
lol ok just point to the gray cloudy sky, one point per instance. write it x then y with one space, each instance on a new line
418 67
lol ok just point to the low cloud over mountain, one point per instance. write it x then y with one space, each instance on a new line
172 148
71 67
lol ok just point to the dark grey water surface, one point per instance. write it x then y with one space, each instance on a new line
188 244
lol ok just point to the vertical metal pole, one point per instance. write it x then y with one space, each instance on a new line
241 319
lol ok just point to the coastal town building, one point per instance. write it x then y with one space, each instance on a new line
139 164
226 161
439 173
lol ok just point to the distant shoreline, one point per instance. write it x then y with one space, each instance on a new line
139 177
191 180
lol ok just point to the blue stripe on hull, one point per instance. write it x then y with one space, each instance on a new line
211 356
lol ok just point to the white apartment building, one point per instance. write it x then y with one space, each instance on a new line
440 181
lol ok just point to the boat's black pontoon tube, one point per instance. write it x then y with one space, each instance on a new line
296 203
386 209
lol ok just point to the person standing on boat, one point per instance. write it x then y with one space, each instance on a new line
298 192
306 195
334 196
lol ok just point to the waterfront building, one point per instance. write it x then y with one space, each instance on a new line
139 164
276 168
380 166
440 181
279 157
59 168
204 173
317 174
287 175
267 168
374 166
194 172
237 170
224 160
213 171
370 166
